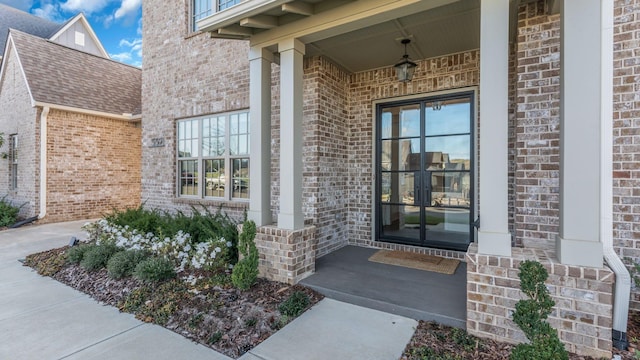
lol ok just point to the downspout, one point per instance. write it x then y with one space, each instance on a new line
622 285
43 162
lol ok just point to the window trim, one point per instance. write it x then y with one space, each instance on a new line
227 158
13 161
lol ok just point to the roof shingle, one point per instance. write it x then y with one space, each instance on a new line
63 76
12 18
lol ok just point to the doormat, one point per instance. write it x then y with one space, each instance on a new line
416 261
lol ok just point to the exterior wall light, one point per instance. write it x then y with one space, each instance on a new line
406 67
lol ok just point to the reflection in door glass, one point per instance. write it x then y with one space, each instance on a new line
425 172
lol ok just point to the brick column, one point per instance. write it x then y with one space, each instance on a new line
493 236
291 72
260 136
578 242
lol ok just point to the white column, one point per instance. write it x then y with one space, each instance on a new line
581 67
291 71
493 236
260 60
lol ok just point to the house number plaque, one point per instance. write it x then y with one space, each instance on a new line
157 142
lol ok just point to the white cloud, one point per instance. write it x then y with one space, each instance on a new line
132 53
49 12
23 5
86 6
124 57
128 8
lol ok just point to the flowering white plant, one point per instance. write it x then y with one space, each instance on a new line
208 255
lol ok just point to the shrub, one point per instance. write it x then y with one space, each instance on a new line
123 263
154 269
76 253
8 212
531 314
97 256
294 305
201 226
245 273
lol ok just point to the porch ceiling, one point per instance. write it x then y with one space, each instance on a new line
358 34
439 31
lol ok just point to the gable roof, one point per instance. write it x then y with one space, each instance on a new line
79 18
58 75
28 23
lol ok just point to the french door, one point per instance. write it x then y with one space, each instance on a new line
425 178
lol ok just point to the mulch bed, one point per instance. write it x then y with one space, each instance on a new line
433 341
232 322
220 317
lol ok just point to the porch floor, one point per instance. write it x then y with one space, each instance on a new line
347 275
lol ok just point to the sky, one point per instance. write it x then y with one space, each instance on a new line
117 23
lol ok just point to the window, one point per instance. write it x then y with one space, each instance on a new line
213 156
200 9
13 161
203 8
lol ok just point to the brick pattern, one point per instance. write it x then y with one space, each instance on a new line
537 126
442 73
583 314
19 117
93 166
287 256
626 133
185 74
325 151
512 119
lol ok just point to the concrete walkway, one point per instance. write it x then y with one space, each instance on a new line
43 319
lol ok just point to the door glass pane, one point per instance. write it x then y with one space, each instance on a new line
403 154
401 222
448 117
399 187
401 121
447 225
450 189
448 152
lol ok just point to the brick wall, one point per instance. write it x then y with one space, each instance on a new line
287 256
325 152
435 74
537 126
626 133
93 166
185 74
17 116
582 314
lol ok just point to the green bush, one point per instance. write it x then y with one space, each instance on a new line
295 304
123 263
8 212
97 256
245 272
202 226
531 314
155 269
76 253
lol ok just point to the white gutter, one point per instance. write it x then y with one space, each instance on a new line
622 289
43 162
124 116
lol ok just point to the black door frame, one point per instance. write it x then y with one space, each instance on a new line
423 100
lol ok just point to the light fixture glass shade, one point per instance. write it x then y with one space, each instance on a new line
405 69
